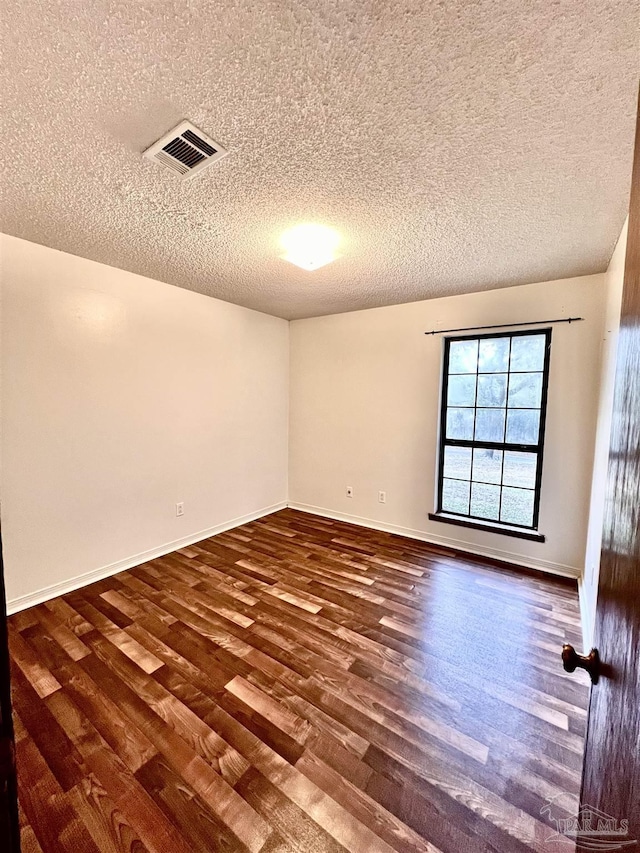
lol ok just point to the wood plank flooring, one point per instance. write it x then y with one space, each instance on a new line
299 684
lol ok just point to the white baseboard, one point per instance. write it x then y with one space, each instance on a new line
31 599
446 541
62 587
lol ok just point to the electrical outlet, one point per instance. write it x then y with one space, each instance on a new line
349 491
382 497
180 508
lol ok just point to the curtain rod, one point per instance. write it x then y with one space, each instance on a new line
505 326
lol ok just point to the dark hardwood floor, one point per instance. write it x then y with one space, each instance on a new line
300 684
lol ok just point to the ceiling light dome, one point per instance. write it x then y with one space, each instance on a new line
310 246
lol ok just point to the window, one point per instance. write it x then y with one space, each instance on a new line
494 395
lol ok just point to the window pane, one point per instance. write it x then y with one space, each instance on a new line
461 390
485 501
520 469
492 389
527 352
463 356
487 465
522 426
459 423
494 355
489 425
455 496
457 462
517 506
525 390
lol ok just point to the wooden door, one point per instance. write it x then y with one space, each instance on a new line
8 786
611 778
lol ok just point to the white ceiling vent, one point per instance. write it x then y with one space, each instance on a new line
185 150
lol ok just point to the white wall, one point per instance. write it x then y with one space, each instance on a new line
364 412
122 396
589 584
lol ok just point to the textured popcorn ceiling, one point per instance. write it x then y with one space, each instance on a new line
458 146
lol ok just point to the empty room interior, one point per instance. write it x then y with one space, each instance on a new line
320 414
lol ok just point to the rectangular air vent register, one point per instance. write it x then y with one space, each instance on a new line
185 150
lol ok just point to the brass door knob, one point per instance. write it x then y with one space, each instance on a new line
571 661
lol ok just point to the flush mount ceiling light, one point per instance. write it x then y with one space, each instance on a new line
310 246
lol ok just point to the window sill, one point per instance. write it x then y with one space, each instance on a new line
505 530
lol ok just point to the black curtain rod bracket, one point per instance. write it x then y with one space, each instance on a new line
505 326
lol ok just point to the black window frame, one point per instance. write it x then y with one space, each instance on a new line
507 528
